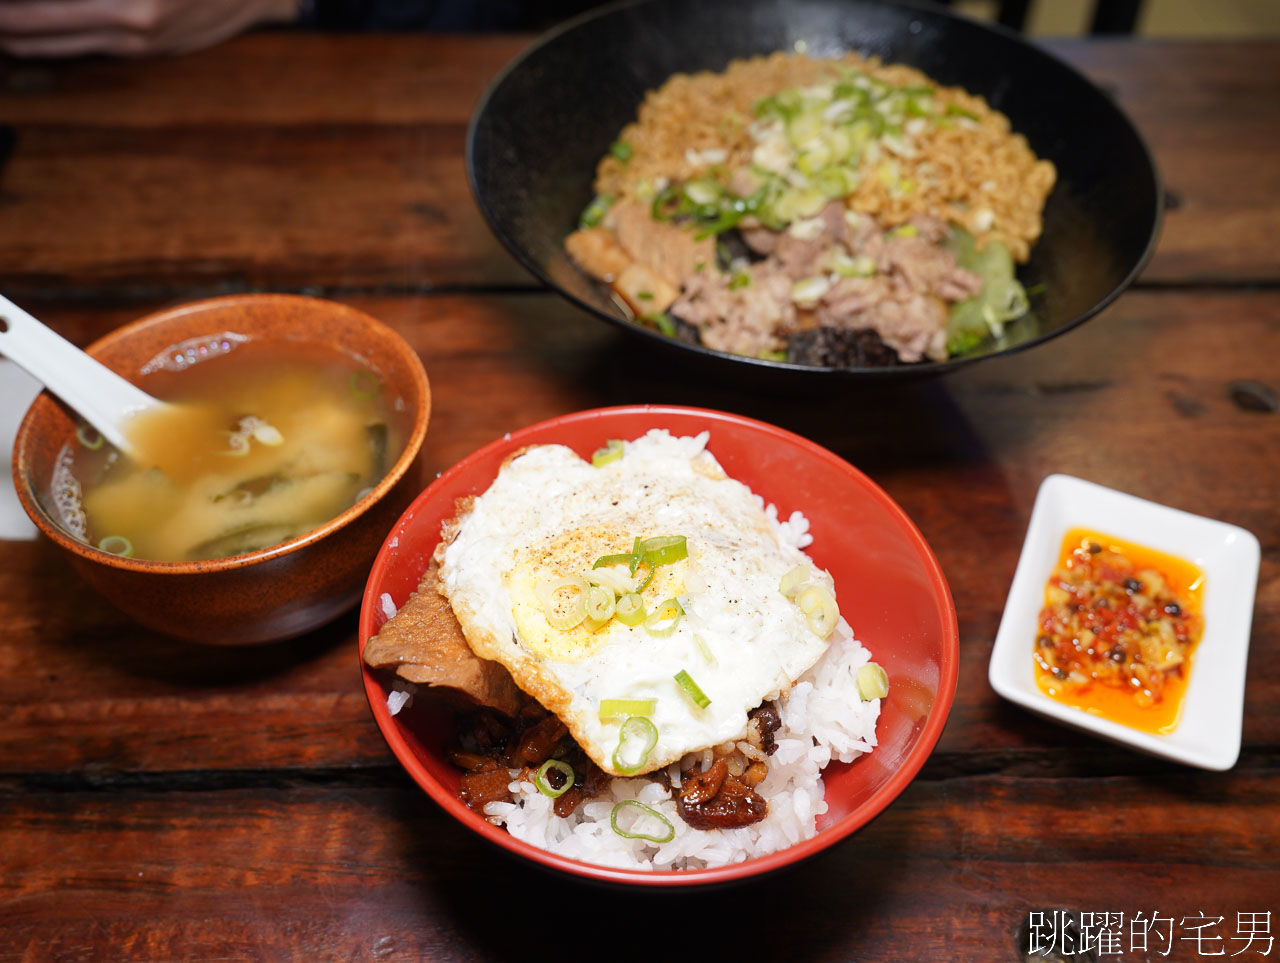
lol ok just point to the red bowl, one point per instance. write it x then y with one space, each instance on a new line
891 590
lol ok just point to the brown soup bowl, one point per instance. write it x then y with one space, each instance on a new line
261 596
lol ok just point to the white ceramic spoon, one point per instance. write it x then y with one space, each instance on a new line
96 393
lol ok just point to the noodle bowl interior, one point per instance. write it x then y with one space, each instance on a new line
264 442
831 213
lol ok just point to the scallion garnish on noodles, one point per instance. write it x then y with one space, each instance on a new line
594 212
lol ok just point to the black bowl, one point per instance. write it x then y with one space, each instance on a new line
545 122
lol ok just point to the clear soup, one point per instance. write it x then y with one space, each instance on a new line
269 440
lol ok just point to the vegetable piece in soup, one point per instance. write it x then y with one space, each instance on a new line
267 442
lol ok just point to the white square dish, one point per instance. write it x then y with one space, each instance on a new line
1208 734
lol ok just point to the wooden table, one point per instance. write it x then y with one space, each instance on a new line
159 801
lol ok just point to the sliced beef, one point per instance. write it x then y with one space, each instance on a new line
913 325
927 268
742 319
669 250
760 240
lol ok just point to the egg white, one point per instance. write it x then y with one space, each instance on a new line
550 514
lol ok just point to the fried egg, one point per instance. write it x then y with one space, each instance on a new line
550 515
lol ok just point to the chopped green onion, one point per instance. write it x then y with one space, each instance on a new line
641 586
117 545
1002 298
955 110
577 611
610 453
666 837
88 437
629 609
621 150
819 608
600 603
636 738
739 280
664 549
622 708
906 230
873 682
606 561
704 650
793 581
663 620
364 384
660 320
543 783
690 688
594 212
619 583
666 204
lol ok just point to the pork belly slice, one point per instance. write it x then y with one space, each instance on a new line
424 644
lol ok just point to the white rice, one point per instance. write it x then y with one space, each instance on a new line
822 719
388 606
400 696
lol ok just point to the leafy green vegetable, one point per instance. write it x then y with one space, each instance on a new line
1001 299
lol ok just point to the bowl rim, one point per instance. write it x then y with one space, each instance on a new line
925 369
412 447
875 804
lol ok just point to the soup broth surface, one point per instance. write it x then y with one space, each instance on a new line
265 443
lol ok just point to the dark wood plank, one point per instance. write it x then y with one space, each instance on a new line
1136 399
275 160
1208 112
950 871
222 170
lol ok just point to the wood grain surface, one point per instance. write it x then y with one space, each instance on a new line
161 801
220 171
